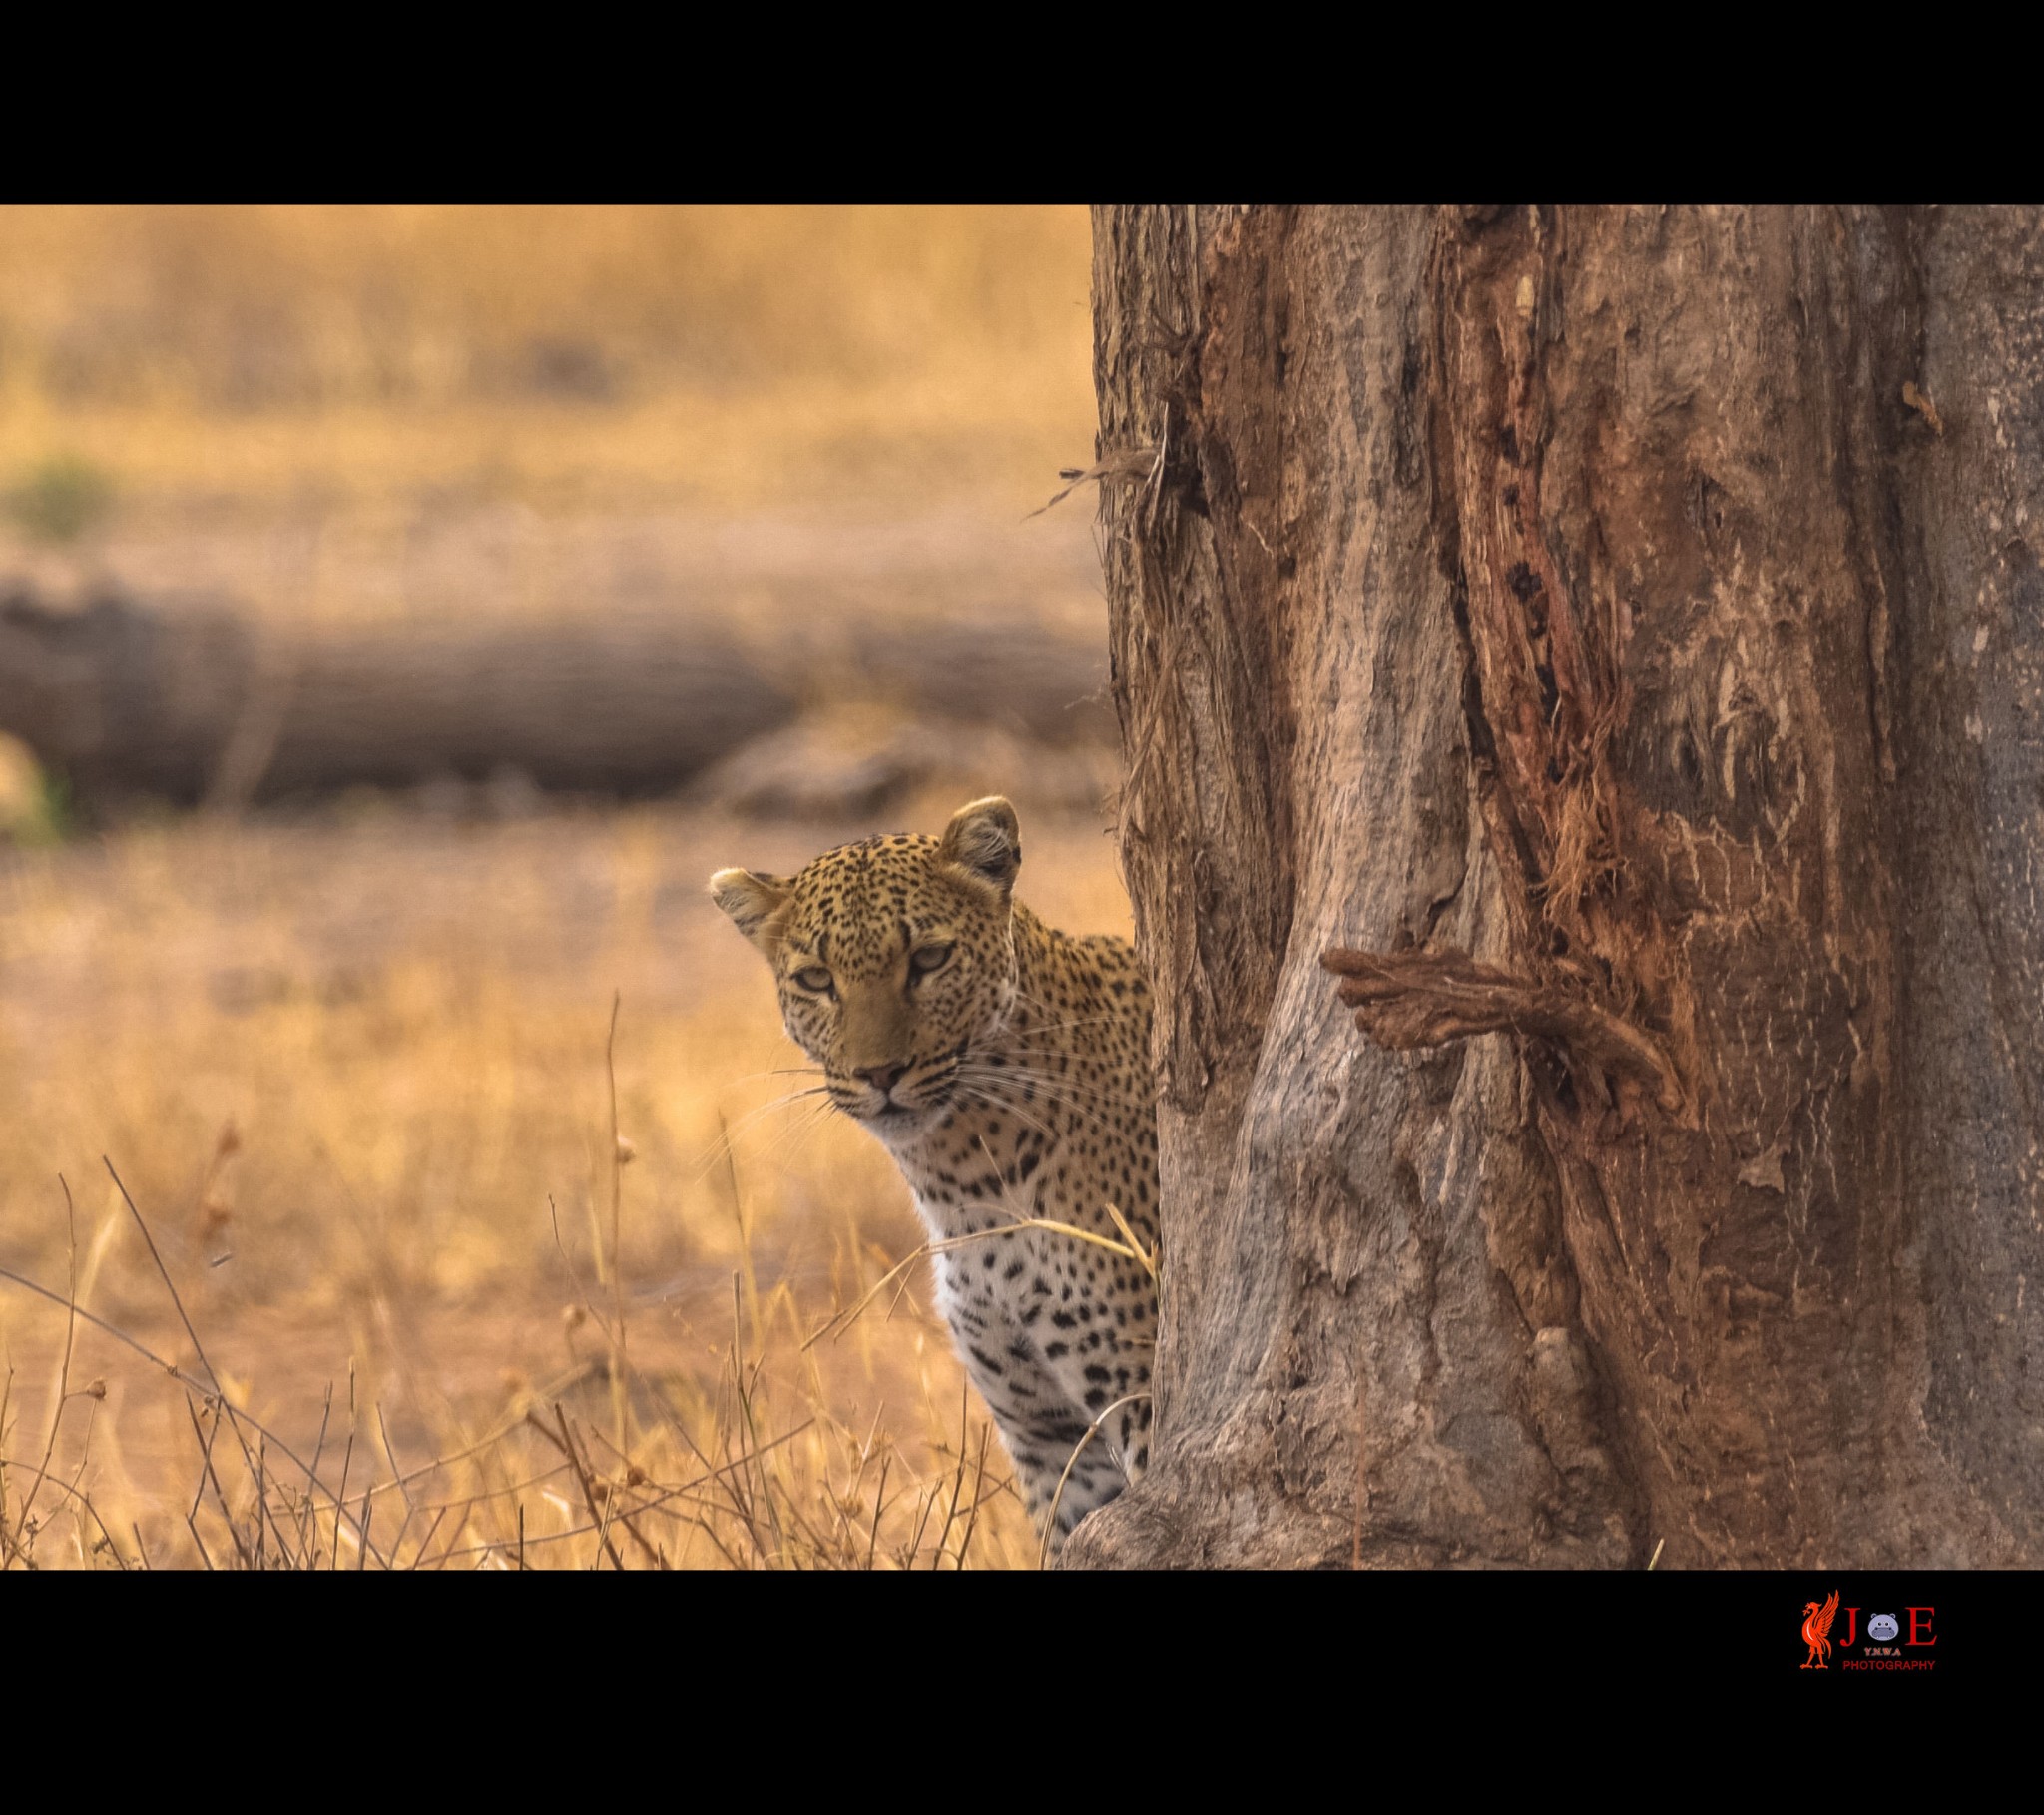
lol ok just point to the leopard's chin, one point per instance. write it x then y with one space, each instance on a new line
894 1113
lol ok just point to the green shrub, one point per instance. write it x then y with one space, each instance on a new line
61 501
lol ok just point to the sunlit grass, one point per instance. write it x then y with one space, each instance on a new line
355 1077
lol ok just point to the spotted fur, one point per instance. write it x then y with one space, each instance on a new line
1005 1065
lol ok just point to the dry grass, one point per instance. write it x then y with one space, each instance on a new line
354 1075
353 1069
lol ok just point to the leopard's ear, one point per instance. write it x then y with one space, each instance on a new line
984 839
755 904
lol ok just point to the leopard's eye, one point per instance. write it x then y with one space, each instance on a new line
814 977
929 958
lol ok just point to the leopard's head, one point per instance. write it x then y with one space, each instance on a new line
893 956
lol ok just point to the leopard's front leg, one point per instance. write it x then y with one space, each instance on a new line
1061 1472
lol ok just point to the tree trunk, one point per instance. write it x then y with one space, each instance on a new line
1610 640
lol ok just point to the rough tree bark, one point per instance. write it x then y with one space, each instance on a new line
1612 642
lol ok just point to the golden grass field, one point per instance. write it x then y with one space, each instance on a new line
354 1064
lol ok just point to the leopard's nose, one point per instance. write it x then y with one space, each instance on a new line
883 1077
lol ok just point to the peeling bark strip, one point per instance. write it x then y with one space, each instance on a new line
1405 1000
1578 625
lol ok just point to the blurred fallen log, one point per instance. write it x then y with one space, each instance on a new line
196 705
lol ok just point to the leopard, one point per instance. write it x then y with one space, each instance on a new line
1005 1068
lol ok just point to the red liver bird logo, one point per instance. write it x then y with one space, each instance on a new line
1817 1631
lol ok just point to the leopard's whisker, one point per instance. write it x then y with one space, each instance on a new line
1091 1090
797 1135
783 1070
1007 1082
974 1093
720 1148
1059 1027
1050 1089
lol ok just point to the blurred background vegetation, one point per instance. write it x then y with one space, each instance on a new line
350 1052
738 357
